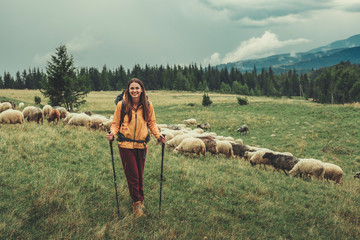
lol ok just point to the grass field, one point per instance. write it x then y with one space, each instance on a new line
56 181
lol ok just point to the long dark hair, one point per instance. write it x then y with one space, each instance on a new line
143 99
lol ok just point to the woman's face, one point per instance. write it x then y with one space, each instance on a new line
135 90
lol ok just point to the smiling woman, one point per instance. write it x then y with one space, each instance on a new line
131 127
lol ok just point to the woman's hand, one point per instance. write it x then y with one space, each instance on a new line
162 139
110 136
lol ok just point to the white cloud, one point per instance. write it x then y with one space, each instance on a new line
255 47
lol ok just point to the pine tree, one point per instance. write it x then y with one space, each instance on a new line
62 86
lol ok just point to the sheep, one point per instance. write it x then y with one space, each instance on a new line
13 105
204 126
225 147
11 116
46 110
192 145
309 167
210 144
239 149
281 161
27 110
79 119
357 175
5 106
105 126
68 117
62 111
95 121
243 129
177 140
333 172
35 115
21 105
190 121
258 158
54 116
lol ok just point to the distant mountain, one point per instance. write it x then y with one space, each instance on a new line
331 54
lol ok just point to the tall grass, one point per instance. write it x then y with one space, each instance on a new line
56 181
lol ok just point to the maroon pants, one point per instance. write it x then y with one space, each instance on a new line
133 161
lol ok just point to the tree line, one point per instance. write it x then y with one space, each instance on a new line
336 84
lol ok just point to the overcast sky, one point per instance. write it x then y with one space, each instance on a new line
161 32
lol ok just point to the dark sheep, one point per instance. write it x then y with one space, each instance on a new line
36 115
240 149
210 145
281 161
357 175
243 129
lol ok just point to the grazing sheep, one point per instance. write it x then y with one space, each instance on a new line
35 115
89 113
79 119
308 167
5 106
176 126
177 140
21 105
190 121
13 105
333 172
46 110
54 116
239 149
191 145
105 126
27 110
62 111
210 144
95 121
357 175
204 126
258 158
68 117
281 161
225 147
243 129
11 116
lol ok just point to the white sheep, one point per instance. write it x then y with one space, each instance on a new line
177 140
63 112
258 157
333 172
190 121
191 145
105 126
27 110
46 110
309 167
11 116
224 147
95 121
80 119
21 105
68 117
5 106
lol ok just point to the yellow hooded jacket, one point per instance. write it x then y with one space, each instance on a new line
136 129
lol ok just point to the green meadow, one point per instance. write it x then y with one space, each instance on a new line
56 181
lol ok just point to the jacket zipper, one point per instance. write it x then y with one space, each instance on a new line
135 125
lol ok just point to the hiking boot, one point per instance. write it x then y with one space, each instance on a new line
137 208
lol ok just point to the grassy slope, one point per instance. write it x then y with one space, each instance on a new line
57 182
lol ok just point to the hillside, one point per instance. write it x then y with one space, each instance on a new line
331 54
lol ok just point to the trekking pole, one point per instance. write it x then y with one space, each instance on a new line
161 175
114 173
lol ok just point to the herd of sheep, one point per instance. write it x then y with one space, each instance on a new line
183 138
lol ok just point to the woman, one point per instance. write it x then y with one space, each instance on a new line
133 136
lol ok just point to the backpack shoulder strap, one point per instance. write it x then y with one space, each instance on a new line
123 112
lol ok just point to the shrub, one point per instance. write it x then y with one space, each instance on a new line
242 101
206 100
37 99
